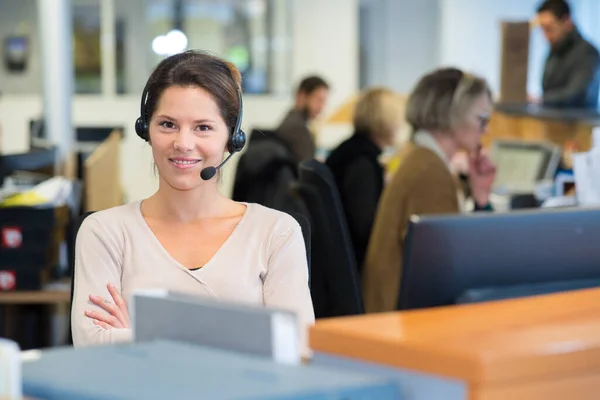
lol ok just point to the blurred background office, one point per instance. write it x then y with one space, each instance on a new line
73 72
352 44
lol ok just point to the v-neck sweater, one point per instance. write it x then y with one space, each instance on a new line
263 262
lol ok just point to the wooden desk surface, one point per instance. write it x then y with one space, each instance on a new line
482 343
35 297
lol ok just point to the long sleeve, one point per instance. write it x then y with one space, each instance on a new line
300 142
285 284
427 189
295 133
98 261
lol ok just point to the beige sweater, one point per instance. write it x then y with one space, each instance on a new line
263 262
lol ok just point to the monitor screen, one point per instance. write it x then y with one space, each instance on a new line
518 168
521 164
448 258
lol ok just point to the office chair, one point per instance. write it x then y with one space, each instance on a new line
335 283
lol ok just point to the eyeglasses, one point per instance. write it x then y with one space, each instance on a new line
484 120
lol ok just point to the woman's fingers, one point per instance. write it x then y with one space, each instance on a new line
119 302
108 321
106 305
102 324
112 310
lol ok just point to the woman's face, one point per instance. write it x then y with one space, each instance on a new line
187 134
474 124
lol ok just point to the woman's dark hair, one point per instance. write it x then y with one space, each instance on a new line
220 78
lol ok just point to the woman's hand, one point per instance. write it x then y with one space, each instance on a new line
482 174
116 315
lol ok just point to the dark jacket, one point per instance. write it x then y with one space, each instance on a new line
571 74
359 178
294 131
264 174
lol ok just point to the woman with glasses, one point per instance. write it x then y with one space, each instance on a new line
448 112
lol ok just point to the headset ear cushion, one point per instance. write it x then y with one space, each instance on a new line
141 129
237 141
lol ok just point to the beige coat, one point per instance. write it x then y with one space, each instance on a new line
423 184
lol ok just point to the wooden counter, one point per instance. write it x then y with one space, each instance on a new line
545 347
562 127
35 297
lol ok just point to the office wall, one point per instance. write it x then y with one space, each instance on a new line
318 48
325 36
407 38
470 37
20 18
401 41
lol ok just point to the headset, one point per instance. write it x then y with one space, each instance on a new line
235 143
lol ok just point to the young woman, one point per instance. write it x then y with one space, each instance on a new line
448 112
187 237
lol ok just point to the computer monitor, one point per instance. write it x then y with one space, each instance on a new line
32 161
449 259
87 138
520 164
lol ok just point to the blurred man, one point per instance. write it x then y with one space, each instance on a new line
571 72
311 98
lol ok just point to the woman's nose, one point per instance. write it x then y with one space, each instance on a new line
184 141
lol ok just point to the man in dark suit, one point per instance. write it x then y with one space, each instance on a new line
311 98
571 73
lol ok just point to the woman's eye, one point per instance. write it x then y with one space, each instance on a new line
167 124
204 128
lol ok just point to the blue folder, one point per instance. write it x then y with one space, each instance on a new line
173 370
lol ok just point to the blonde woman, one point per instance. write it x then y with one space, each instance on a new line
448 112
355 163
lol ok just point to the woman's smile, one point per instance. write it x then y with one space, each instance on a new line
184 162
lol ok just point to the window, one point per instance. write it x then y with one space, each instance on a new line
253 34
87 55
249 33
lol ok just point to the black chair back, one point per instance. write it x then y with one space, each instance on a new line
264 174
335 282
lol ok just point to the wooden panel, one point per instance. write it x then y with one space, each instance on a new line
102 179
344 113
35 297
528 128
527 338
583 385
514 62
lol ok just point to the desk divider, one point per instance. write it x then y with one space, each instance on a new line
254 330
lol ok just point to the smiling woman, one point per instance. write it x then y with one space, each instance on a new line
187 237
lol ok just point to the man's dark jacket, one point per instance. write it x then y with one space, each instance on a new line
571 74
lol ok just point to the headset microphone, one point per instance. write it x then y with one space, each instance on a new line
208 172
236 142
